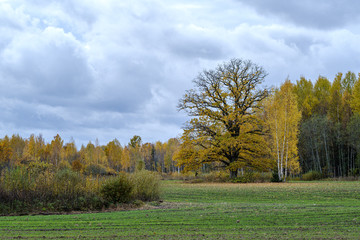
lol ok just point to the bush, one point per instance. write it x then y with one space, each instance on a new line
253 177
275 177
216 176
146 185
246 178
17 180
311 176
95 170
76 166
178 176
67 183
262 177
117 190
354 172
63 164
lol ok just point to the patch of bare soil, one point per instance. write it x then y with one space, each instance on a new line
119 207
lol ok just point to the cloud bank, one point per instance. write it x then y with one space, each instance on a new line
113 69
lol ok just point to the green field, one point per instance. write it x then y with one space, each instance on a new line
303 210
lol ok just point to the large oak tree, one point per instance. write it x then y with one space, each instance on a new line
225 104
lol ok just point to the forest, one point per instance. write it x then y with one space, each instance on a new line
322 132
91 159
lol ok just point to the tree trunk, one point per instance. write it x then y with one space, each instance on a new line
327 156
233 174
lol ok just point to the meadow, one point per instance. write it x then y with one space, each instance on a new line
297 210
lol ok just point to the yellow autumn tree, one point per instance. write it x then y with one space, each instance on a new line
35 149
70 152
17 145
225 128
5 151
188 155
136 161
125 159
283 117
335 109
355 97
30 149
100 155
306 99
113 151
56 146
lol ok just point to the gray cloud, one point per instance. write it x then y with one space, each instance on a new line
196 44
323 14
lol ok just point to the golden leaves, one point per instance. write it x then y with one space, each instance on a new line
225 104
283 119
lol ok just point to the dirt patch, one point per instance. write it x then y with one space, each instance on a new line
122 207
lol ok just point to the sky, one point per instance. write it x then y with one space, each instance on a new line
90 69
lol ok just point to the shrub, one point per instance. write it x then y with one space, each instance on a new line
39 167
16 180
294 178
95 169
178 176
146 185
117 190
67 183
261 177
354 172
275 177
311 176
246 178
217 176
63 164
76 166
253 177
196 180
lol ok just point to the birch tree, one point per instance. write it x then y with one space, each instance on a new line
305 93
283 119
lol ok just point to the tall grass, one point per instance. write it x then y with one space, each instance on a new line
27 189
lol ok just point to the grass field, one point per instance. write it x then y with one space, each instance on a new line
304 210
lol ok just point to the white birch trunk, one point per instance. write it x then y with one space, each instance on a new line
286 159
277 147
283 147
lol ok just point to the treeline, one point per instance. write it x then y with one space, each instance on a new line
91 159
329 130
315 127
307 127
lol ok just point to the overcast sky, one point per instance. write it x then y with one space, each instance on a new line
109 69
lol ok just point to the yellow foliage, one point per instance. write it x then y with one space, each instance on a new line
226 128
283 119
125 159
355 98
